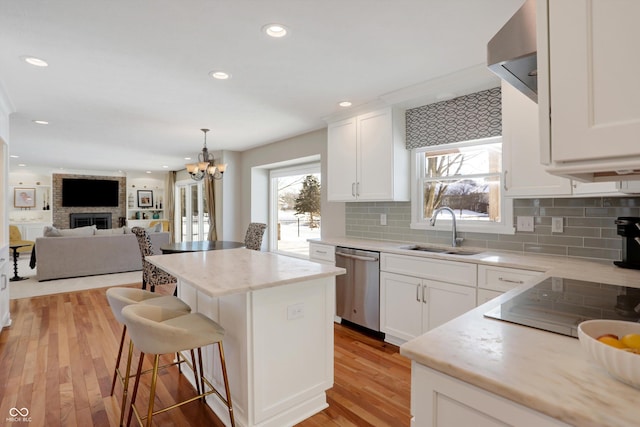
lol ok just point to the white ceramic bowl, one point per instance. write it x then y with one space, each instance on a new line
620 364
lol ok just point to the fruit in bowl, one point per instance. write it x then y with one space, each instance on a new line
612 344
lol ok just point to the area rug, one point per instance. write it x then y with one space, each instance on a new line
32 288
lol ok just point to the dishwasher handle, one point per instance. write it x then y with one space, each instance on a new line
357 257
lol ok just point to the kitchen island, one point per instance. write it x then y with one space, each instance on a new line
278 314
495 373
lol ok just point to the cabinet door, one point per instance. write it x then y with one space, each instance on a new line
446 301
438 400
375 156
401 306
342 159
593 79
524 175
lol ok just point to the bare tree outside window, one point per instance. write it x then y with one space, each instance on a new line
464 178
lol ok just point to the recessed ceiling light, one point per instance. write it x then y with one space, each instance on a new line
22 164
165 166
37 62
345 104
187 158
275 30
41 122
148 171
14 156
220 75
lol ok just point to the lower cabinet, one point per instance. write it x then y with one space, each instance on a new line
438 400
494 281
410 306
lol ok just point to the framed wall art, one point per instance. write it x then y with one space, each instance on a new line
24 197
145 198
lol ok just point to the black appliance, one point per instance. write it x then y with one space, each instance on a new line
559 305
629 228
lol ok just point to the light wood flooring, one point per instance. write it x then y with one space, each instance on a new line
57 360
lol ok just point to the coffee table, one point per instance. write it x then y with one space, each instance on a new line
15 248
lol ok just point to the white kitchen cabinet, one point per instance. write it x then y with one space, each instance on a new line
421 294
367 158
524 175
589 88
324 254
438 400
494 281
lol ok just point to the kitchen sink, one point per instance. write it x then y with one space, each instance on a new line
432 249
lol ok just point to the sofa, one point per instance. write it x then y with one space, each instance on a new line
63 254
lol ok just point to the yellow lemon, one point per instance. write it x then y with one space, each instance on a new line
613 342
631 340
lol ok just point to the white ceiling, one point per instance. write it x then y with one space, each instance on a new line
128 85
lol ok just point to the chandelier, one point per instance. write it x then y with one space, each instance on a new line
206 165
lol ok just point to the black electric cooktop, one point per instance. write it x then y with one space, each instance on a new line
559 304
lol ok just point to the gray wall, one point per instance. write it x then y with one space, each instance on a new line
589 229
254 186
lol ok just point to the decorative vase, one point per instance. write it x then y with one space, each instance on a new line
156 215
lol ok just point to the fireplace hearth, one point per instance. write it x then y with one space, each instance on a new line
100 220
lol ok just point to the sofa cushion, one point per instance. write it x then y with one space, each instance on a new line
109 231
50 231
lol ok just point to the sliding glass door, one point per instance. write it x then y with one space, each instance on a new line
193 219
295 208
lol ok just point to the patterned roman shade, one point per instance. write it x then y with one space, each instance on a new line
474 116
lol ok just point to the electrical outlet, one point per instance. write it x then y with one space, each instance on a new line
524 223
556 284
383 219
295 311
557 225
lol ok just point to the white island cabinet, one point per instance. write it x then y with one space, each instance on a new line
277 312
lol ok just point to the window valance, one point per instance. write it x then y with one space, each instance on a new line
474 116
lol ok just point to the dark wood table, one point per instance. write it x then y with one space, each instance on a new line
205 245
15 248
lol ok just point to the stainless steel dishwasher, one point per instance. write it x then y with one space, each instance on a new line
358 291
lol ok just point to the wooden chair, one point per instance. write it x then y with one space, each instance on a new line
151 275
253 238
15 238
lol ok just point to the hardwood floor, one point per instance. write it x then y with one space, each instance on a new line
57 359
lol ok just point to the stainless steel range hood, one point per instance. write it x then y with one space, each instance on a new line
512 52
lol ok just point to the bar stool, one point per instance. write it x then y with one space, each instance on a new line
156 330
118 299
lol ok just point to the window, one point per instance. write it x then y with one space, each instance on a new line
295 208
466 177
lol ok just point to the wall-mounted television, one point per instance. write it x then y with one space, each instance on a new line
81 192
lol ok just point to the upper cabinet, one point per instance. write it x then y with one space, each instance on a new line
588 86
524 175
367 158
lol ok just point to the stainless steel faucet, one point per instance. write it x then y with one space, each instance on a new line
455 240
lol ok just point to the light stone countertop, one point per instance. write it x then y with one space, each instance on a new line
541 370
230 271
575 268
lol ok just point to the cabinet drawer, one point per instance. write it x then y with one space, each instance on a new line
503 279
461 273
322 252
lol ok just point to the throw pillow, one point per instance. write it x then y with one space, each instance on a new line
51 231
155 229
